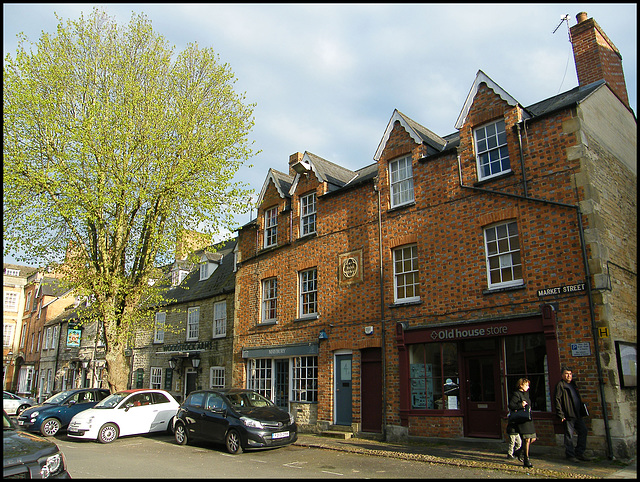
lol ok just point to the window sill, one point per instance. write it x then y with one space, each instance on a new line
401 206
308 236
405 303
308 317
490 291
267 323
217 337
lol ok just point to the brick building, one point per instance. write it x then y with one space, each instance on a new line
406 298
14 280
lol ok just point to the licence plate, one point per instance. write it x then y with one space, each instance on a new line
280 435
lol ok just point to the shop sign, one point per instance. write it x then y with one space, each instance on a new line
281 351
456 333
580 349
561 290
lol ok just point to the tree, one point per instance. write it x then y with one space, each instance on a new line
112 146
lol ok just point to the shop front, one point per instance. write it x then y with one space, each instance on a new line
462 374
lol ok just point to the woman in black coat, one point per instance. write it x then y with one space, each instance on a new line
518 401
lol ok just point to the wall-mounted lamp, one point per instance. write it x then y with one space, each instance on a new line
172 363
195 361
85 364
323 335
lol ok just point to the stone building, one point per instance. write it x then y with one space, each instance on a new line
406 298
191 345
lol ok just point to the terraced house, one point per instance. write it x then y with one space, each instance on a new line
407 297
191 345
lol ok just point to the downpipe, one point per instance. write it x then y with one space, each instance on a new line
376 188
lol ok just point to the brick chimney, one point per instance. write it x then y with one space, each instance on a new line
294 158
596 57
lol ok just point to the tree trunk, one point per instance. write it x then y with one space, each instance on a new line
118 369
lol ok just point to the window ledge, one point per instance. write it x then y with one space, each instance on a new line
407 303
267 323
308 317
490 291
307 236
401 206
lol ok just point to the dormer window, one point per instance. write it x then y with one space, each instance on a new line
204 270
178 275
401 181
308 214
492 154
271 227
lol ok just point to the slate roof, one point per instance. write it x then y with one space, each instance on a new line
54 287
24 270
220 282
564 100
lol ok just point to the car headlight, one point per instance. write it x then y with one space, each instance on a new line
34 415
249 422
51 465
292 419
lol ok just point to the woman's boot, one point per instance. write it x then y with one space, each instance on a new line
526 462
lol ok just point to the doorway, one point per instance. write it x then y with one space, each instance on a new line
343 389
282 384
371 389
191 377
482 411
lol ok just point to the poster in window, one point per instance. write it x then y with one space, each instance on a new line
627 364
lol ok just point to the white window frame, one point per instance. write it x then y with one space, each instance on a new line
204 270
219 319
27 305
304 379
308 289
155 378
271 227
193 324
12 272
503 255
308 214
158 327
217 378
10 301
269 300
7 334
401 181
406 274
492 152
259 376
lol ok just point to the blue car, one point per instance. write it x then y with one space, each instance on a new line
56 412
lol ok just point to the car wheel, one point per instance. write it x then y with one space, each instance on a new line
50 427
107 433
232 441
21 409
181 434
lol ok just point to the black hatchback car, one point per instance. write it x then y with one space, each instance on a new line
240 419
29 456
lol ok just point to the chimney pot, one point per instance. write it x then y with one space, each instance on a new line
581 17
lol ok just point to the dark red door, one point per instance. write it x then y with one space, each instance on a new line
482 411
371 389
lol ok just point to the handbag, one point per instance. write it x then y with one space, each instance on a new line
520 416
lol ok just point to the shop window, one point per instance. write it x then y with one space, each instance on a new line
305 379
259 376
434 377
526 357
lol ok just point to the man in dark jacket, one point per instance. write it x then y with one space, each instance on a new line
569 409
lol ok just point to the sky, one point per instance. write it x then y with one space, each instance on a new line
326 78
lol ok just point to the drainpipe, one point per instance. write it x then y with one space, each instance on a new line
594 332
524 174
382 324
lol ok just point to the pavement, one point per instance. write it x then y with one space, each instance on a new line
548 462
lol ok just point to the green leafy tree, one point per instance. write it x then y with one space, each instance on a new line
113 145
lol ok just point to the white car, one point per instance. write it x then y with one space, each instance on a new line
15 404
129 412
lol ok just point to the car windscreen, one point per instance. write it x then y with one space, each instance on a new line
58 397
111 401
248 400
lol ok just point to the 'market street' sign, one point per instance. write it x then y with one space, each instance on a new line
561 290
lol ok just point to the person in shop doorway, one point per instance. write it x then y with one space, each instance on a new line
569 408
527 430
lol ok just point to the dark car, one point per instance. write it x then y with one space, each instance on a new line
240 419
56 412
29 456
